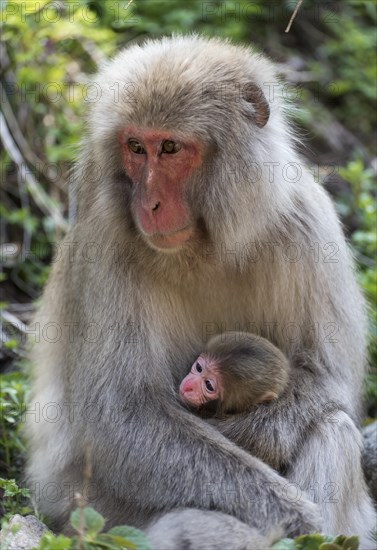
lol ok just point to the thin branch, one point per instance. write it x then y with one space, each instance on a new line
293 16
23 145
39 195
13 320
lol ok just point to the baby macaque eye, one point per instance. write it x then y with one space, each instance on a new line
170 147
136 147
198 367
209 386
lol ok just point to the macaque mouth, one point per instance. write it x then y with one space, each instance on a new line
173 239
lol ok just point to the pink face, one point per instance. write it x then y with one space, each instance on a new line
202 384
159 165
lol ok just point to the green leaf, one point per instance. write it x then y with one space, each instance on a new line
11 344
284 544
348 543
310 542
112 542
50 542
93 521
15 529
132 535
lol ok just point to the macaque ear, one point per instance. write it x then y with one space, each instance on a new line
260 114
268 396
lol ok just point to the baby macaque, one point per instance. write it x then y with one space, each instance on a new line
236 371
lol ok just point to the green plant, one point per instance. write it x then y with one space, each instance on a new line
12 398
363 208
318 542
15 499
89 525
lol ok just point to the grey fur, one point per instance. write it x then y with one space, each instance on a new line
152 313
174 532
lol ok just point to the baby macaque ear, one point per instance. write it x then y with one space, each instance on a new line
268 396
260 111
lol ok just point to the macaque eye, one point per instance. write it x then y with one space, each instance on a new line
170 147
198 367
136 147
209 386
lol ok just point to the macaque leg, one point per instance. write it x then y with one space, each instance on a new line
328 469
206 529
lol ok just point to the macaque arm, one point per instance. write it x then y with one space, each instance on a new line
173 444
274 431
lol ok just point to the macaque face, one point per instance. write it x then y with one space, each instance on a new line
202 384
160 165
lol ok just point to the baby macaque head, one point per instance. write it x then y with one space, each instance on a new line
235 372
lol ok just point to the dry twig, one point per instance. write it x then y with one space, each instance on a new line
293 16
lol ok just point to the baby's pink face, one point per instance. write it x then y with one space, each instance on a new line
202 384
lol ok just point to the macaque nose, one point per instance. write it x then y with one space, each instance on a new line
187 386
151 205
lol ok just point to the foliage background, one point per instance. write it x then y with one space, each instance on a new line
47 49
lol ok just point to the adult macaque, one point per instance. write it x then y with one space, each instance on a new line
195 211
236 371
